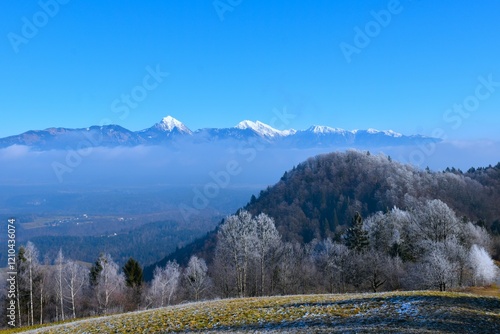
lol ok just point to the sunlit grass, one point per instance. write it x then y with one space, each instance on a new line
491 290
407 311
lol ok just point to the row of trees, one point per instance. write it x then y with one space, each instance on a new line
425 247
63 288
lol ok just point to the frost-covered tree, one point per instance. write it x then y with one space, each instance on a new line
435 221
483 267
395 273
457 254
42 281
440 270
196 276
58 277
268 240
388 232
75 278
110 283
164 285
476 235
237 246
30 267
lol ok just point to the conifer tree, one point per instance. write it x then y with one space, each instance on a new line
95 270
356 238
133 273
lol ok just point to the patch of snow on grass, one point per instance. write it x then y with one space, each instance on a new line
407 309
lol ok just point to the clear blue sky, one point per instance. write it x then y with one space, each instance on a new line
263 55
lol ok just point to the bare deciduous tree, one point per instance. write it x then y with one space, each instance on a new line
32 266
75 278
58 277
435 221
288 268
109 283
164 285
196 276
440 271
268 240
237 242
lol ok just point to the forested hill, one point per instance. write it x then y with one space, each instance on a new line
319 197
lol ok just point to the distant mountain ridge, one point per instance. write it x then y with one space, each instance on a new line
170 130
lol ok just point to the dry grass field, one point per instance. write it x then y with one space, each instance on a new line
392 312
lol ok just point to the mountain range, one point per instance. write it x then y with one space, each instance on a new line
169 130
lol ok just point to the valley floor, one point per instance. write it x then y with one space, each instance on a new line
392 312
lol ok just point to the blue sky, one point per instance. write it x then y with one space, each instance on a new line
250 61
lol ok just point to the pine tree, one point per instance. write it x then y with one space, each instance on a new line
356 238
95 270
253 199
133 273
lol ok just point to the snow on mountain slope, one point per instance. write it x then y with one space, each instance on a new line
170 124
321 129
263 129
170 129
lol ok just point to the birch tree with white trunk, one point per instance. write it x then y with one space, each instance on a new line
32 265
109 283
58 277
196 276
164 285
75 279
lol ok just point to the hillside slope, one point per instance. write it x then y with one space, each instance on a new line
407 312
319 197
323 193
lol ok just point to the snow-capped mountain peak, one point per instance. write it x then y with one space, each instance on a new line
325 129
246 124
385 132
169 124
393 133
262 129
170 130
